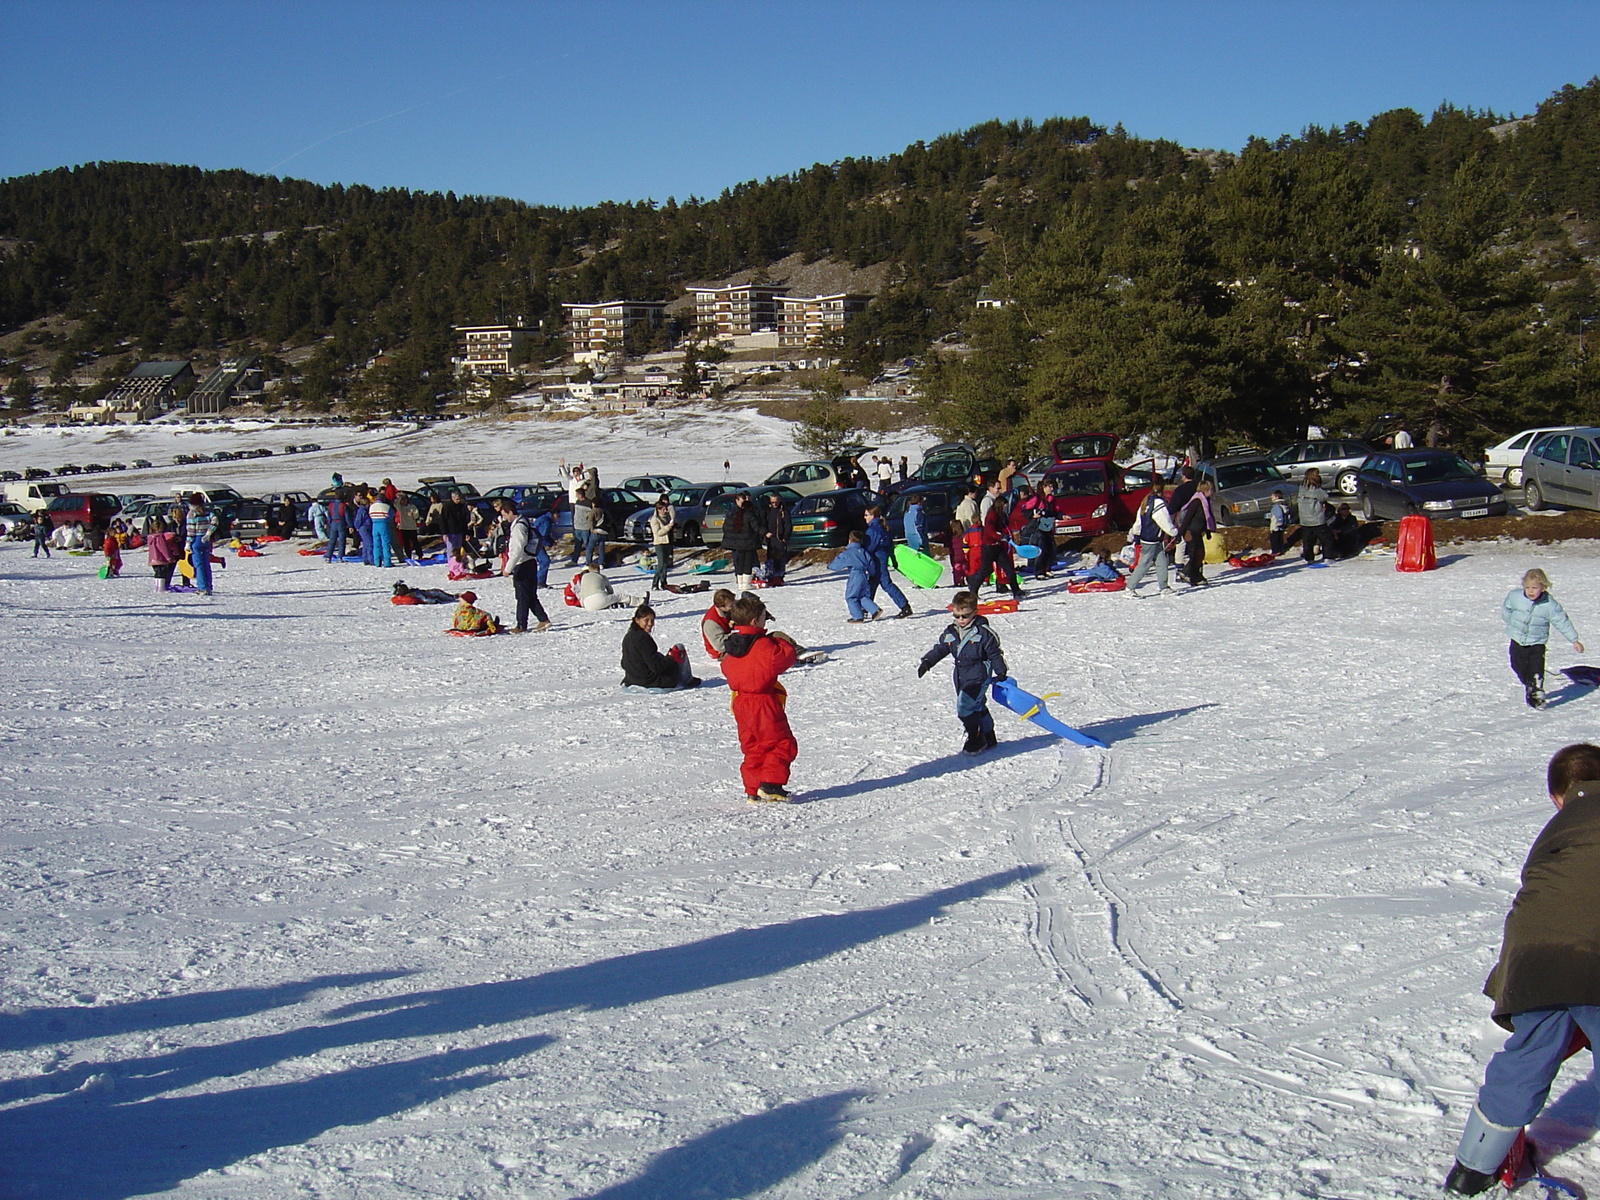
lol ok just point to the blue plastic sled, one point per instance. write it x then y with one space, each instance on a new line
1027 553
1030 707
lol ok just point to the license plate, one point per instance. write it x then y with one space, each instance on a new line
1072 529
1475 512
805 528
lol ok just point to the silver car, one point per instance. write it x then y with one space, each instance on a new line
1502 462
1338 459
1563 469
1243 487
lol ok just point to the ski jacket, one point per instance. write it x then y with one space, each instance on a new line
976 650
743 529
1278 519
916 527
162 548
1155 521
1196 516
1550 954
754 660
855 560
524 546
879 544
778 527
454 518
202 525
661 525
469 619
1313 505
642 664
714 632
1529 622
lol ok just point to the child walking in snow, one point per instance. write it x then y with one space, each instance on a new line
978 661
1277 523
858 587
1546 985
751 664
112 549
1529 612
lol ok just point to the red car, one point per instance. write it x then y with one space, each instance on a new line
1094 494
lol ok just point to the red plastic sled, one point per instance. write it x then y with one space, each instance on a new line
1096 585
246 552
1253 560
1414 551
990 607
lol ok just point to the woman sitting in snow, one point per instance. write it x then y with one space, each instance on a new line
644 666
470 619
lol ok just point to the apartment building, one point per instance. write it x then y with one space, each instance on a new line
489 349
234 380
595 329
737 310
808 320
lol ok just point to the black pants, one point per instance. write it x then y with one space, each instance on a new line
744 562
1310 535
1528 663
1194 563
777 561
525 578
996 558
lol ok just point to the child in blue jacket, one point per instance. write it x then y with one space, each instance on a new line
1529 613
858 587
879 547
978 661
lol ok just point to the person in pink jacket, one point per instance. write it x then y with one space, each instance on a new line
162 546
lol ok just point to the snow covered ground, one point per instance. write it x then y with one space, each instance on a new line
307 899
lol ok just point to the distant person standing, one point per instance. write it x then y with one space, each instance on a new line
752 661
905 471
202 530
742 535
1402 440
41 533
455 519
775 537
885 475
1311 504
663 521
379 512
522 565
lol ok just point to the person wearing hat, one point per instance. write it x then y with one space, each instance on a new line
751 665
662 522
470 619
644 666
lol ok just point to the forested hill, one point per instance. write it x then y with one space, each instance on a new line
1073 222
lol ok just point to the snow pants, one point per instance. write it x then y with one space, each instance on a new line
200 560
858 599
764 736
1517 1081
336 540
382 545
996 558
1152 554
1528 663
880 579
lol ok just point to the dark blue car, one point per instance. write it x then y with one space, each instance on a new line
1433 483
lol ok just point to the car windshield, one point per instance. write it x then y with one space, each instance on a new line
1437 470
1245 473
685 496
1087 480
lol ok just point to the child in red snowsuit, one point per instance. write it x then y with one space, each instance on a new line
113 553
752 663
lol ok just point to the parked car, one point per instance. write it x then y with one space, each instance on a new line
949 462
308 447
939 504
117 466
1563 468
129 499
689 512
1243 487
1094 493
94 468
31 494
1435 483
806 477
717 510
300 500
138 513
69 469
1502 462
827 518
653 485
94 509
10 476
249 518
531 499
14 519
291 449
31 473
141 463
1338 459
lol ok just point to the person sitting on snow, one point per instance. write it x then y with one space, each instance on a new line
644 666
473 620
594 592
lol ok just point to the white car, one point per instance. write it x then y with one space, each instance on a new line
1502 462
15 520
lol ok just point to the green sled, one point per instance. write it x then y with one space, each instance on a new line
921 570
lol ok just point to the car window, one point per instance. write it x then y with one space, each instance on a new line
1242 474
1436 470
1087 480
1286 454
1520 443
1555 448
1582 454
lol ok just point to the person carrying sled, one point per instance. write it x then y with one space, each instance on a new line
752 663
978 662
1546 985
1529 612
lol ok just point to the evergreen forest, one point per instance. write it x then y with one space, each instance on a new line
1436 272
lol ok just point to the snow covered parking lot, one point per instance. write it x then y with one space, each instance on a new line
307 898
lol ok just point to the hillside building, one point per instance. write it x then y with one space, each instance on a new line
737 310
810 320
234 381
148 390
595 330
490 349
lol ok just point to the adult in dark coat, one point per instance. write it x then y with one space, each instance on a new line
776 538
645 666
1194 522
1546 986
742 535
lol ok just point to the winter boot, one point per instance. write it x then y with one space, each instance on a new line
1534 695
904 612
974 727
1480 1154
772 791
1464 1181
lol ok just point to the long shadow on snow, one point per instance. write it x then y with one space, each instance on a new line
608 983
45 1026
744 1158
1567 693
100 1145
1567 1124
931 769
1121 727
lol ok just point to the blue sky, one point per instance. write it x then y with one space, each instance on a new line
575 103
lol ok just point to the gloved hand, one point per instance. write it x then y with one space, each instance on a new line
922 669
999 679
